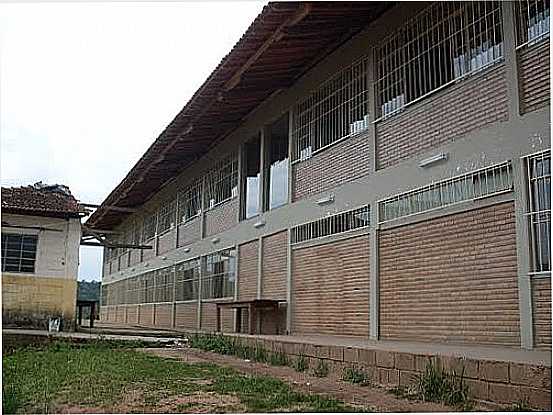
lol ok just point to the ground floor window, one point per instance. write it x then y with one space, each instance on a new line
539 210
19 252
218 279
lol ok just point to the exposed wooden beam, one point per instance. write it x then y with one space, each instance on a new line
300 14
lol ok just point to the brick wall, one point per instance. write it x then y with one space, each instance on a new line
330 288
273 276
167 242
111 313
209 318
132 314
163 315
451 279
146 315
186 315
103 313
120 313
534 82
190 232
541 303
332 167
149 253
449 115
222 217
247 270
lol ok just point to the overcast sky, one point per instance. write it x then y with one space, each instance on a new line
86 88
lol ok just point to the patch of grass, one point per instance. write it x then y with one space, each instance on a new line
260 355
278 358
97 375
522 405
437 385
322 369
354 375
301 364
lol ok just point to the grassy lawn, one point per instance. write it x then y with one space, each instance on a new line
110 377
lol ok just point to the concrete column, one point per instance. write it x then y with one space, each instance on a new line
510 53
523 255
289 309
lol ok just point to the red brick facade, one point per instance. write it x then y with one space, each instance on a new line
449 115
451 279
248 270
330 288
273 275
541 305
534 76
342 162
221 217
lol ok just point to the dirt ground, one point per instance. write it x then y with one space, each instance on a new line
375 398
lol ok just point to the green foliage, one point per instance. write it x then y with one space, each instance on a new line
354 375
260 355
522 405
278 358
322 369
301 364
99 375
437 385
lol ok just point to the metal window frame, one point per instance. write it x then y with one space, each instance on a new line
166 216
217 178
331 108
336 224
229 277
195 279
522 14
542 213
449 189
186 197
405 64
19 257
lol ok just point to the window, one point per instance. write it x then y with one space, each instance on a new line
19 252
475 185
445 42
332 225
277 164
252 174
222 182
220 274
149 227
104 294
133 296
337 109
148 281
164 285
166 218
539 182
190 201
187 275
532 21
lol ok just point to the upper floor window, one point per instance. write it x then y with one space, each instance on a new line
337 109
222 182
252 177
277 161
539 203
532 20
219 278
149 227
166 219
445 42
19 252
190 201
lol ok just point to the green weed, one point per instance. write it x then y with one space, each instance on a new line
354 375
322 369
301 364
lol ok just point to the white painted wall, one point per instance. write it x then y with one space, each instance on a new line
57 252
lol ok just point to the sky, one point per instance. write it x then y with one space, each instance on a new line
85 88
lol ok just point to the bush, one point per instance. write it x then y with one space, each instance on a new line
439 386
322 369
354 375
301 364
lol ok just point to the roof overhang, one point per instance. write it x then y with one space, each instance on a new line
282 44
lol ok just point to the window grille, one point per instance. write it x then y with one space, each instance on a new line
164 285
187 275
481 183
149 227
219 275
190 201
332 225
222 182
532 21
18 252
337 109
539 215
133 287
445 42
166 218
104 294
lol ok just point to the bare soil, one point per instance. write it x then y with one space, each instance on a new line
376 398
